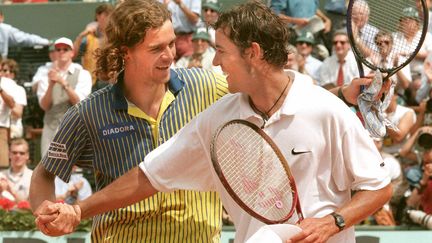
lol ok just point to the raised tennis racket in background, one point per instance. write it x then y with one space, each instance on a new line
386 35
255 173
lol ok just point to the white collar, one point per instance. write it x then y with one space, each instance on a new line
292 102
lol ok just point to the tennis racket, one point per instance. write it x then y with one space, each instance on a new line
386 35
254 172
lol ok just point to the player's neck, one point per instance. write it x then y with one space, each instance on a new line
269 100
147 97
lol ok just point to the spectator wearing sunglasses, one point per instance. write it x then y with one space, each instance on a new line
304 45
203 54
15 181
42 71
10 100
341 67
210 14
64 86
9 69
305 15
387 57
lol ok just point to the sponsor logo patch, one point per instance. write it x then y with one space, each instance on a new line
117 130
54 145
57 151
57 155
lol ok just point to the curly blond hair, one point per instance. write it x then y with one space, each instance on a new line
127 27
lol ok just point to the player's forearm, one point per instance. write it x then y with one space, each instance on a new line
41 187
363 204
126 190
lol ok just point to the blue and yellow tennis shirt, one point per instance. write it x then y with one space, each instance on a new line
111 135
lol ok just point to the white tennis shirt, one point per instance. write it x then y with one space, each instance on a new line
342 156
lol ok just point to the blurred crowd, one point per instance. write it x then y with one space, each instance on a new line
320 47
324 52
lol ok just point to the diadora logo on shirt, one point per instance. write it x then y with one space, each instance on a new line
117 130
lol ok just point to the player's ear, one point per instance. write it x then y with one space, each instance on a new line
126 52
255 52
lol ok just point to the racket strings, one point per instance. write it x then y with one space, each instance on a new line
260 180
392 31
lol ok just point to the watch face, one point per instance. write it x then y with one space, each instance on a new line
339 220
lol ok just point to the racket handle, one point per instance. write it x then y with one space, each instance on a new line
361 74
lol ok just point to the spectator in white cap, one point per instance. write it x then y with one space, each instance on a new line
43 70
65 85
203 53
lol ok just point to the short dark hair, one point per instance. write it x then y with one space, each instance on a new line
253 21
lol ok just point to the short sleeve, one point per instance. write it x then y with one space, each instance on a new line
364 168
183 162
68 146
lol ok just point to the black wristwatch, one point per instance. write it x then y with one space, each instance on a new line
339 220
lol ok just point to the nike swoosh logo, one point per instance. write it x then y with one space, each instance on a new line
298 152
